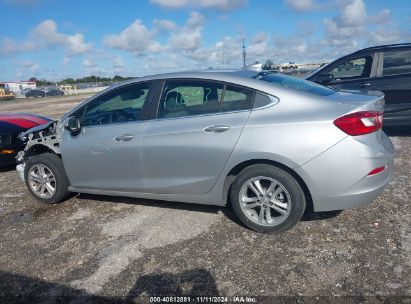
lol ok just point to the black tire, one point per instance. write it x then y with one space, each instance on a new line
293 188
55 165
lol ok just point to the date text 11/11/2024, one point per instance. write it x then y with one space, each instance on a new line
201 299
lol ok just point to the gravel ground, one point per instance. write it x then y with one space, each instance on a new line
106 249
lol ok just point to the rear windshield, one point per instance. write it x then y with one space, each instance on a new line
296 84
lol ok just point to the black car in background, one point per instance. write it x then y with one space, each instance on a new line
385 68
54 92
10 126
35 93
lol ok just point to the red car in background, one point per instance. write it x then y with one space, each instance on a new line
11 124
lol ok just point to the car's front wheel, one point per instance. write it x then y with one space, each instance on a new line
267 199
46 178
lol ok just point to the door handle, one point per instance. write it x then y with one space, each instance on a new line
124 137
364 84
216 129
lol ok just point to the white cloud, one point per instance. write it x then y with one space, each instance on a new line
301 47
8 46
382 17
135 38
301 5
29 65
88 63
118 62
259 45
209 4
352 26
66 61
90 67
26 69
223 53
348 27
227 52
385 36
164 24
119 66
353 14
46 35
22 2
188 37
196 20
311 5
76 45
338 35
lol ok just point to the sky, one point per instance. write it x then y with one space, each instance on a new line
54 39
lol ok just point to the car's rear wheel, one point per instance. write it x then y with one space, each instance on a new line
46 178
267 199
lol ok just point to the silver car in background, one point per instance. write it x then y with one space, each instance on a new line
270 144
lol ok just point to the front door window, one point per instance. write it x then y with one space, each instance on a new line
122 105
353 68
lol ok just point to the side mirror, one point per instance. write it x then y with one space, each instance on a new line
325 78
73 125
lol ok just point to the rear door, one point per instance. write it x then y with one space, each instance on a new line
394 79
195 129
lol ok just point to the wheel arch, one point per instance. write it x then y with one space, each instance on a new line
39 149
232 174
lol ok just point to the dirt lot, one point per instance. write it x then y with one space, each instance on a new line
96 248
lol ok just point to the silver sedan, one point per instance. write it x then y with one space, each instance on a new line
270 144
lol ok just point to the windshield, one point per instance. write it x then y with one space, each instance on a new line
295 83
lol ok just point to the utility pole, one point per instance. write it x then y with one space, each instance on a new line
244 54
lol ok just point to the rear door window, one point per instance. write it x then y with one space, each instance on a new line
237 98
397 62
262 100
190 97
181 98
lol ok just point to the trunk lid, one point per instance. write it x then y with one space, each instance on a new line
362 100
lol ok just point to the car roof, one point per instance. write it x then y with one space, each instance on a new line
209 73
386 47
236 76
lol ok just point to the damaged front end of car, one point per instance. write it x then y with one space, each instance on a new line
40 139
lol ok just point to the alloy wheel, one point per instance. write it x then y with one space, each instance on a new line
42 181
265 201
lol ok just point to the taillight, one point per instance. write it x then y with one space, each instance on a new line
360 123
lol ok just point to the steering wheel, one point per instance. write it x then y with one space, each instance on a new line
121 115
101 119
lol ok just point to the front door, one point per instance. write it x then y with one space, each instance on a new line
186 147
105 153
354 73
